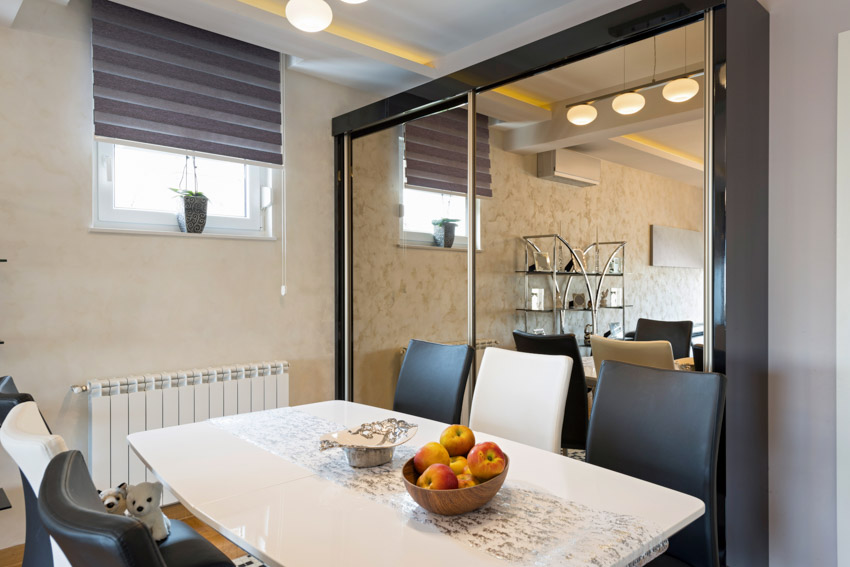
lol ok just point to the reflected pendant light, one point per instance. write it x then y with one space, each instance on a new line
581 114
353 1
680 90
628 103
309 15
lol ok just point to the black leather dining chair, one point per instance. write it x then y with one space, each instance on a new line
74 515
663 426
574 432
432 380
677 333
37 551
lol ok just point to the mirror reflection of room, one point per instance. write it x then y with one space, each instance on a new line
605 192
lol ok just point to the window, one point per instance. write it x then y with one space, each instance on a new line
133 190
420 207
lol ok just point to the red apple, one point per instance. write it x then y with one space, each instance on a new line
457 464
466 480
457 439
437 477
485 461
430 454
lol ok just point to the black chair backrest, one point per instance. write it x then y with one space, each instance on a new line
677 333
663 426
574 433
432 380
74 516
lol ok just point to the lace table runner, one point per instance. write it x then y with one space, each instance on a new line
522 525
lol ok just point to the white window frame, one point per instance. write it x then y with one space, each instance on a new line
106 216
427 238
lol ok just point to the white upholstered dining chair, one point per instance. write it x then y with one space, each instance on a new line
521 397
26 438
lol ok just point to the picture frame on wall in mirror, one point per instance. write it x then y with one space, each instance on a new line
542 262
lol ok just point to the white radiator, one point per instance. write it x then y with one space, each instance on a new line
120 406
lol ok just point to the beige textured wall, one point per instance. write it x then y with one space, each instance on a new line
404 293
77 305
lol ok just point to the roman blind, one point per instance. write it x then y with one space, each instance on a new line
435 153
158 81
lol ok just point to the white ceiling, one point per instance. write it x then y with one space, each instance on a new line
387 46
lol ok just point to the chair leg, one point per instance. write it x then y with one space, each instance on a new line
37 549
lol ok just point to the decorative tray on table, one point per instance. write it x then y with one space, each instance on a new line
370 444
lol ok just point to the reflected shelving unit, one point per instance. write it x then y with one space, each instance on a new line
552 258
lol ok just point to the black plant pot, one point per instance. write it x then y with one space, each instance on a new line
193 214
444 236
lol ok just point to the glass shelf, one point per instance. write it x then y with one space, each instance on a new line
576 310
535 272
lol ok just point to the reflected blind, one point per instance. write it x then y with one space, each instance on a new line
161 82
435 153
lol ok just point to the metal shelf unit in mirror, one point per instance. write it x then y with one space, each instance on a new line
573 280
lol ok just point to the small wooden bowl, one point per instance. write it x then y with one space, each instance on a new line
452 502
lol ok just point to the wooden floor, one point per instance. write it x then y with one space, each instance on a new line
14 556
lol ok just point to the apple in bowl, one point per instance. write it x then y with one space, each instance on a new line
430 454
485 461
437 477
457 439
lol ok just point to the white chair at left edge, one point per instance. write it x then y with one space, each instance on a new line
521 397
28 441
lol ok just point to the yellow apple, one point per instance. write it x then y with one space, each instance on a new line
466 480
457 464
457 439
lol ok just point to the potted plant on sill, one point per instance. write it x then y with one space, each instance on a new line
444 232
192 215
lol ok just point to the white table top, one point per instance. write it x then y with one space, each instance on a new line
286 515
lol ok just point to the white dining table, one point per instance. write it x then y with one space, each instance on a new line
287 515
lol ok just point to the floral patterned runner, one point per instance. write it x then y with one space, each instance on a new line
522 525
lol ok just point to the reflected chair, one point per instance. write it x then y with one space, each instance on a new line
663 426
432 380
74 515
27 439
37 549
656 354
574 432
677 333
521 397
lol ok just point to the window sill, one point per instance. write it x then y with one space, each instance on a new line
459 248
138 232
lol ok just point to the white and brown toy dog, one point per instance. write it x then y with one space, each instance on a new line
143 503
115 499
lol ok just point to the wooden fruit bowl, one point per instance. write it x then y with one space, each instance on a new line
452 502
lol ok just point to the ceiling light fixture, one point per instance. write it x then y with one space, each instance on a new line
683 88
309 15
582 114
353 1
628 103
680 90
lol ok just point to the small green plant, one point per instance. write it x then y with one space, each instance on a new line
187 192
443 222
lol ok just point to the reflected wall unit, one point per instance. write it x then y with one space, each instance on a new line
571 272
735 215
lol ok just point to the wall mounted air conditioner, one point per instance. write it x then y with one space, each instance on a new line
572 168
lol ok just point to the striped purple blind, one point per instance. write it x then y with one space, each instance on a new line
435 153
161 82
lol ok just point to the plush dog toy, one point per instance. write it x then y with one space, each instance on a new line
115 499
143 503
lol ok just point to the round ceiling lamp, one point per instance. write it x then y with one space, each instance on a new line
680 90
628 103
581 114
309 15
